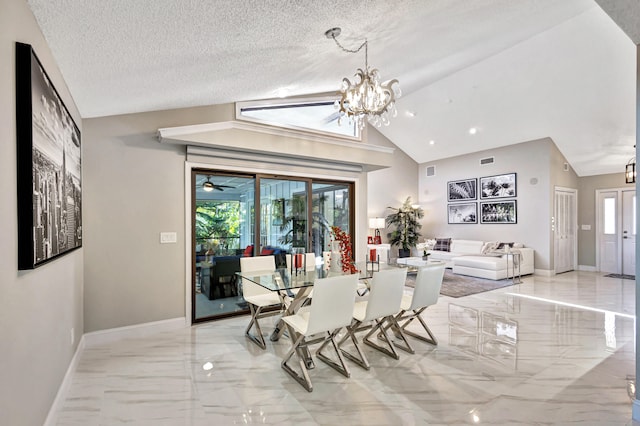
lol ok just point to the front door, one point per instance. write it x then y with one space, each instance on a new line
608 234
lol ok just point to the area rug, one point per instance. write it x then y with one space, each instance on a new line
454 285
626 277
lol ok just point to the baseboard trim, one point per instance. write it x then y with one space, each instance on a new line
587 268
61 395
101 337
544 272
133 331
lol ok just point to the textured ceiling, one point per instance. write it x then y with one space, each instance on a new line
516 70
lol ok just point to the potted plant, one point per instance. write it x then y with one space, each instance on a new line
406 233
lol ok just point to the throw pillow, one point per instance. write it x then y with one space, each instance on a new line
431 243
266 252
489 247
502 245
443 244
248 251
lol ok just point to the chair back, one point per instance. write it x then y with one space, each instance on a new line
310 261
333 302
251 264
428 284
385 293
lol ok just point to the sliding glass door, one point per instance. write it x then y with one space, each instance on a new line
331 205
283 214
236 215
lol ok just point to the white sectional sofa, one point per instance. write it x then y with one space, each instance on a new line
483 259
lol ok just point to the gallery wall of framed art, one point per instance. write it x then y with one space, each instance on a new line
497 200
48 166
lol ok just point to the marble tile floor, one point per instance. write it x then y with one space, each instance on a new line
554 350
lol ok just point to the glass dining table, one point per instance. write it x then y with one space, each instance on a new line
294 287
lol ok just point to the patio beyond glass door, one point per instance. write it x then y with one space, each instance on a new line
223 229
331 206
283 215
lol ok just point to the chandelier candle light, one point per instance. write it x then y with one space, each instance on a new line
367 97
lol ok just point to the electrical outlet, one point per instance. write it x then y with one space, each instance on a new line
168 237
73 336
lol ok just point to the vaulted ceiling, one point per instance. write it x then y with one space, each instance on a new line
514 70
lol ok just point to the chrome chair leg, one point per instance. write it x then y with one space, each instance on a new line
360 359
398 332
342 367
431 339
257 338
387 350
303 378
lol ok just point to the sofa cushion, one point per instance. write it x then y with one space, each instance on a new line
443 244
482 262
466 246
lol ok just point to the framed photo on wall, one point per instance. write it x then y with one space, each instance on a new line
463 213
48 164
498 212
500 186
462 190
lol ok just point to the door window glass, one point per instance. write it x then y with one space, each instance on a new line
609 214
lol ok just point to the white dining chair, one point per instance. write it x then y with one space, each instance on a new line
425 294
385 295
330 311
257 297
310 261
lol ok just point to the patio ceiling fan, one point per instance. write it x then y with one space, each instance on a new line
210 186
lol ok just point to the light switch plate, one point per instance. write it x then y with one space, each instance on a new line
168 237
586 227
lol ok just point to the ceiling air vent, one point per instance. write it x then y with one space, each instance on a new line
431 171
488 160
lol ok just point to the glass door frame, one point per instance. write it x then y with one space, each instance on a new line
257 177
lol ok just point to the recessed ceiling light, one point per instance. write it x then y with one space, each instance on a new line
282 92
473 131
432 142
411 114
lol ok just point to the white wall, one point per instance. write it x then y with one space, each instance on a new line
531 161
390 187
38 308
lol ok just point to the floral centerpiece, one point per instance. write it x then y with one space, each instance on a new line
346 253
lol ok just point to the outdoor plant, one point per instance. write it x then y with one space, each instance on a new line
405 221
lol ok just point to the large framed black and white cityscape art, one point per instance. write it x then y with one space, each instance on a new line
48 166
500 186
498 212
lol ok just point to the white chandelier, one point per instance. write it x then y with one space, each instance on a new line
367 98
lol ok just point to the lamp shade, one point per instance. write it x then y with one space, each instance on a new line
376 222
